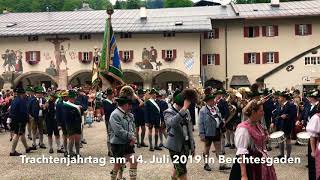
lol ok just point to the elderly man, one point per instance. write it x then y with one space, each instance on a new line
122 130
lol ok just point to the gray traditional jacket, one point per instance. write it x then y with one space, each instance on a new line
176 136
122 127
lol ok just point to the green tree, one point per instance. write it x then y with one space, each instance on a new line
99 4
133 4
71 5
179 3
120 5
154 4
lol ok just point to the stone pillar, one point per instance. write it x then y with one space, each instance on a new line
62 79
147 79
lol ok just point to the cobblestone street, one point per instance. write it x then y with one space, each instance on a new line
12 167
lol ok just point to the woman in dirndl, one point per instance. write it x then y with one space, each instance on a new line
313 127
250 140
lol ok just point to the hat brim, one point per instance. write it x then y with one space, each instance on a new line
123 101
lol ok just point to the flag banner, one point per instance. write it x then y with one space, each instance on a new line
110 65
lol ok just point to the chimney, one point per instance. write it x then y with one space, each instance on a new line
5 11
143 13
275 3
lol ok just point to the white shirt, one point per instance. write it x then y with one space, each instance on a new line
242 140
214 113
313 127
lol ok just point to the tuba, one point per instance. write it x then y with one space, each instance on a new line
232 108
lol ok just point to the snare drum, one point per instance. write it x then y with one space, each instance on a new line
277 137
303 138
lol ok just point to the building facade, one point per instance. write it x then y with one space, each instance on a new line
232 45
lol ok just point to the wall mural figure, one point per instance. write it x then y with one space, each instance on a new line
59 51
19 67
12 61
96 55
62 58
149 59
51 70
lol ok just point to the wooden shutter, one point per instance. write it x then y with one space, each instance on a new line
276 30
264 58
245 31
38 54
27 56
90 56
131 55
256 31
205 35
216 33
309 27
246 58
264 31
217 59
174 51
257 58
80 56
204 59
164 54
121 55
276 57
297 29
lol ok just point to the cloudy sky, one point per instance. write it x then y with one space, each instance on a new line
114 1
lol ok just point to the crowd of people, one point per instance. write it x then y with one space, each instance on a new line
235 119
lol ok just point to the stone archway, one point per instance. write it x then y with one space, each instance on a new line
133 77
80 78
35 78
170 79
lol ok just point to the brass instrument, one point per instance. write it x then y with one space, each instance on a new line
127 91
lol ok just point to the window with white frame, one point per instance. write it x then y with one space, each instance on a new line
252 58
85 36
251 32
169 54
126 35
86 56
270 31
303 29
307 61
318 59
211 35
169 34
33 56
314 60
270 57
210 59
126 55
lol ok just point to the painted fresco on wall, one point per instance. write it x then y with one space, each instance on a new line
188 60
149 60
73 55
96 55
60 52
47 56
12 60
51 70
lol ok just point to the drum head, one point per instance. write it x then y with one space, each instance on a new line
277 134
304 135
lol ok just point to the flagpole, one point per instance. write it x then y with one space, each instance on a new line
110 11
